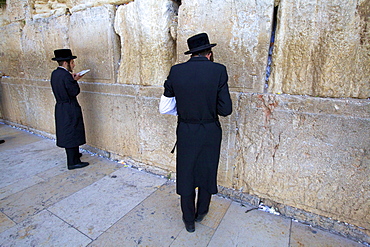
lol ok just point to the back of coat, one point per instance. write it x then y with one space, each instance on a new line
202 94
70 130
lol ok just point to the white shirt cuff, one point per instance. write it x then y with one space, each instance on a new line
168 105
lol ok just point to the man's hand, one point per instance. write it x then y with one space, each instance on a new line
77 76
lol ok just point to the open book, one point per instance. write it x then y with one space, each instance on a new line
81 73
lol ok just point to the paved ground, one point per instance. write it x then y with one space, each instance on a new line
107 204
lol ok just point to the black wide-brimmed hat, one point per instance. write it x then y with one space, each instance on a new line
199 42
63 55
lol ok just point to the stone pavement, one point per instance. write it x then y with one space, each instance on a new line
109 204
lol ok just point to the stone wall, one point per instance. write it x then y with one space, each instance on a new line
282 144
322 49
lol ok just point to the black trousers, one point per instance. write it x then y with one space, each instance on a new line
73 156
188 204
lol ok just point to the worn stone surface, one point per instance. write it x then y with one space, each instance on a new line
316 161
93 39
10 50
29 102
108 203
322 49
18 10
147 47
132 228
241 30
241 225
132 185
303 235
39 39
43 229
112 114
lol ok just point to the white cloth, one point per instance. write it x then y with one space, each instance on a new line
168 105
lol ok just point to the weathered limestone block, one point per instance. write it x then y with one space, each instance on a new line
322 49
156 131
308 153
93 40
40 38
11 50
4 20
228 149
110 116
40 105
29 103
13 100
96 3
147 48
241 30
18 10
114 2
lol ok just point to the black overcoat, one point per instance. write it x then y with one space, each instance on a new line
202 93
70 130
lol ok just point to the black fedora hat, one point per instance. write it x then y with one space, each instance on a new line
63 55
198 43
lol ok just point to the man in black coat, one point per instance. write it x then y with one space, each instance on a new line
197 91
70 130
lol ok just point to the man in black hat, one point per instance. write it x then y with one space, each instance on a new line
197 91
70 130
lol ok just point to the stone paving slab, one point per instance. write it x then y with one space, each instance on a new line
15 138
36 157
34 199
43 229
242 227
156 221
19 185
97 207
5 222
304 235
217 211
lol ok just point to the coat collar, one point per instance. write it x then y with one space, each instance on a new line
197 59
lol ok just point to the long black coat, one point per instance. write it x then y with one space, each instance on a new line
70 130
201 92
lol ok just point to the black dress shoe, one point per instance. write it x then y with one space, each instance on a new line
79 165
199 217
190 227
2 141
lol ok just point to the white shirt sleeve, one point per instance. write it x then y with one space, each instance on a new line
168 105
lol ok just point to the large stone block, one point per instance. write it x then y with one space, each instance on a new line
4 20
18 10
322 49
157 131
93 39
35 57
13 100
55 35
147 47
29 103
110 118
308 153
241 30
40 105
11 50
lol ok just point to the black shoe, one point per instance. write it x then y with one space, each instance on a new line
190 227
80 155
2 141
79 165
199 217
